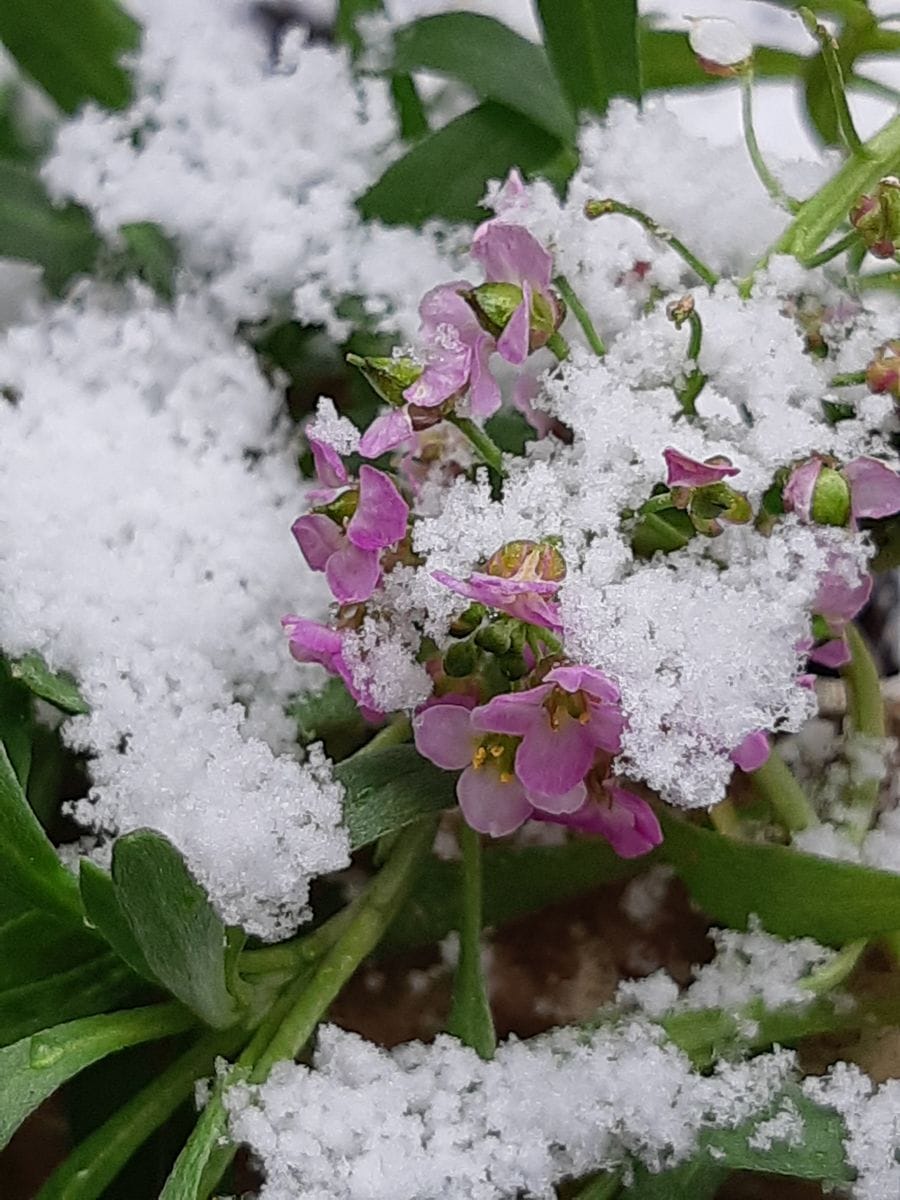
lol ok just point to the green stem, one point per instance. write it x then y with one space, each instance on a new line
835 77
865 709
878 280
379 906
765 176
851 379
489 451
580 313
827 978
95 1162
845 243
558 345
599 208
775 782
397 731
470 1014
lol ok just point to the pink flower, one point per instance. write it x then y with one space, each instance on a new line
351 557
525 390
562 722
510 254
520 580
389 430
328 463
457 351
688 472
842 594
626 820
314 643
874 488
865 487
753 751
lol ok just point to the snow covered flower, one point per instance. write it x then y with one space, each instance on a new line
685 472
516 303
722 48
311 642
350 553
456 351
562 723
699 489
521 579
826 495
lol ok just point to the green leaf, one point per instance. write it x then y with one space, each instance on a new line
470 1014
391 788
593 44
445 174
29 864
793 894
699 1179
348 13
101 904
330 716
496 63
211 1131
57 688
16 723
59 239
71 48
33 1068
150 255
181 937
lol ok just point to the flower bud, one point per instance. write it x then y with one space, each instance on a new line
679 311
494 304
527 560
390 377
722 48
513 665
876 217
830 498
883 372
496 638
460 659
468 621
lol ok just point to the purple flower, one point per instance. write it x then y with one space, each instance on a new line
329 465
625 819
562 722
689 473
525 390
753 751
351 557
510 254
526 600
865 487
457 351
842 593
314 643
391 429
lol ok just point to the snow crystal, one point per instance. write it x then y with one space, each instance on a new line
786 1126
333 430
720 41
145 546
872 1117
253 167
424 1121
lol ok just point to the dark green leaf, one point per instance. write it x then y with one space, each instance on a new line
29 864
445 174
182 939
58 689
331 716
698 1179
348 13
516 882
186 1179
61 240
391 788
668 61
666 531
496 63
819 103
593 45
71 48
793 894
33 1068
16 723
151 255
101 904
470 1013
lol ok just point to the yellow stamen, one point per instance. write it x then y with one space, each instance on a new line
583 718
479 757
496 751
506 777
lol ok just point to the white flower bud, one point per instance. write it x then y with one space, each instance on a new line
721 46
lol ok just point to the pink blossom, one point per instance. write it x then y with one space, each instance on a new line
874 488
562 722
510 254
690 473
525 599
389 430
329 465
753 751
311 642
625 819
524 392
457 351
351 557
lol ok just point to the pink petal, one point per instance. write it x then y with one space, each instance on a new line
835 653
484 392
353 574
489 805
874 488
381 515
629 825
329 466
525 390
311 642
510 254
318 538
513 342
550 762
444 305
585 679
688 472
388 431
443 734
838 599
514 713
798 494
606 722
569 802
753 751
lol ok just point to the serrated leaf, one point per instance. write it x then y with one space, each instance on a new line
389 789
594 49
496 63
180 936
71 48
61 240
101 905
446 173
793 894
56 687
33 1068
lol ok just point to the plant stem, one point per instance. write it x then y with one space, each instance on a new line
599 208
865 708
845 243
397 731
849 380
878 280
580 313
765 176
725 819
558 345
774 782
379 906
834 973
835 77
95 1162
470 1014
486 447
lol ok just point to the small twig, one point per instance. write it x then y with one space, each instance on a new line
600 208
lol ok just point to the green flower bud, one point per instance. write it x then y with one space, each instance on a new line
513 665
493 304
877 218
830 498
390 377
468 621
496 638
460 659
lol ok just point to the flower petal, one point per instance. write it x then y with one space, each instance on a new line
443 734
484 393
510 254
874 488
798 493
353 574
515 713
488 804
444 305
835 653
753 751
311 642
513 342
388 431
329 466
585 679
550 762
629 824
569 802
381 515
318 538
689 472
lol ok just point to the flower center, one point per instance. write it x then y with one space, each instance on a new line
497 750
561 704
